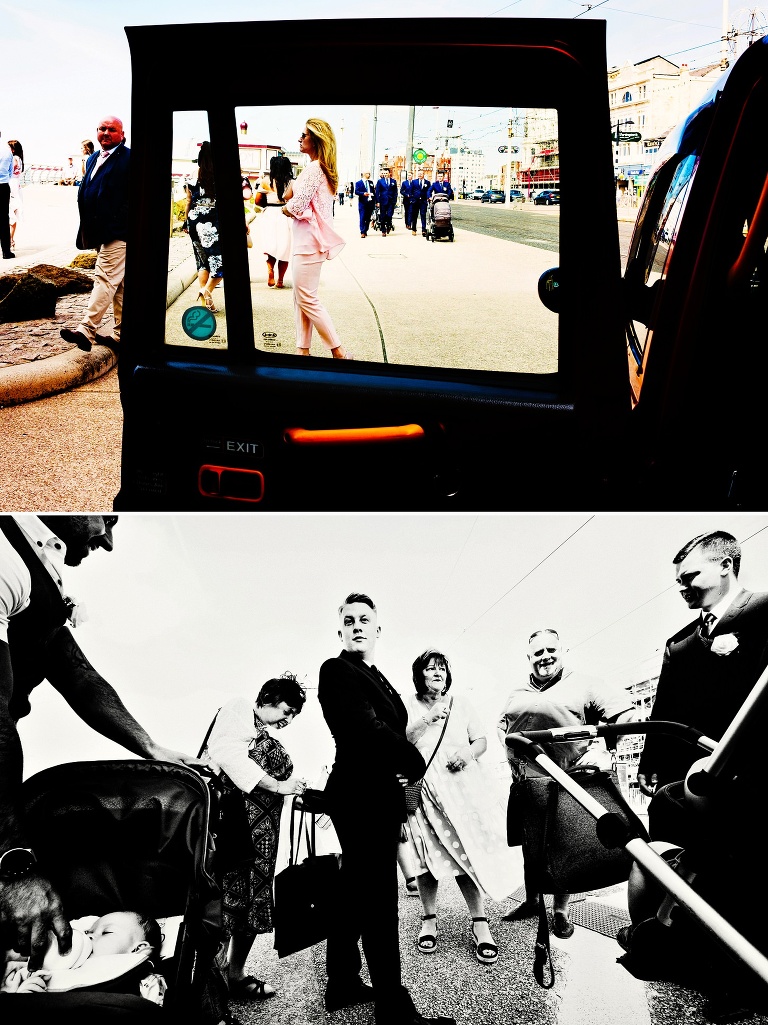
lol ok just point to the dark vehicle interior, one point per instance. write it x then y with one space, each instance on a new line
471 361
453 390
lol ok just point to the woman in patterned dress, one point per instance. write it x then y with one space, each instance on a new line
458 830
314 240
203 225
256 762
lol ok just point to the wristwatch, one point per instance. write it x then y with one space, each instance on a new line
17 863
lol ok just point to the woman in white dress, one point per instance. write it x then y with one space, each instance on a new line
314 240
458 831
272 229
15 206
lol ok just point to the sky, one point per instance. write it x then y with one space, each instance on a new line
69 61
189 610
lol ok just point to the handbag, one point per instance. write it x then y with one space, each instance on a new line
413 790
561 849
306 895
233 844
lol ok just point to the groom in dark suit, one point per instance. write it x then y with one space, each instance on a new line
103 204
711 665
367 806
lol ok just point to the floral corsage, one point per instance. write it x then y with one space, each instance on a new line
724 644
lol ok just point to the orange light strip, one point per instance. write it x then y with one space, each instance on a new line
353 435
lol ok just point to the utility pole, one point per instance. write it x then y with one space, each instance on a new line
409 140
374 169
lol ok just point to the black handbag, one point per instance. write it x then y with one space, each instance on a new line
306 892
230 828
561 849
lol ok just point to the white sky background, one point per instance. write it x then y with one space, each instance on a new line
68 64
190 609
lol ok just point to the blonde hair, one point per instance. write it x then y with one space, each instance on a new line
325 146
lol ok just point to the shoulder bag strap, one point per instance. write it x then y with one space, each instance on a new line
542 957
442 734
202 746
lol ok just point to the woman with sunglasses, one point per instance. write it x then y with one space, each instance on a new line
314 240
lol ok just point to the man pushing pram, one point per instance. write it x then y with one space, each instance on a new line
439 224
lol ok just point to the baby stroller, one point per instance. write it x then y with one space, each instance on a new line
691 922
439 218
132 835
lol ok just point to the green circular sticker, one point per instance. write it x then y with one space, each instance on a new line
198 322
419 155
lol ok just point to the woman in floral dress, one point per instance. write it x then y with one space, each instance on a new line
256 762
314 240
203 227
458 831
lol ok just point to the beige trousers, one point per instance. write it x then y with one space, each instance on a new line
309 312
107 288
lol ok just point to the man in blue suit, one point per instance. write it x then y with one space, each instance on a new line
405 192
441 185
103 204
386 199
420 187
366 200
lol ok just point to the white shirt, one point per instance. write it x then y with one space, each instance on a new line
719 610
15 580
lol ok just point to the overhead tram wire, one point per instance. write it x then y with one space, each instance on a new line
525 576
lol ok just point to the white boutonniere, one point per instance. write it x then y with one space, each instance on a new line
77 614
724 644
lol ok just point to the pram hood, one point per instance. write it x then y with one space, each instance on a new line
128 834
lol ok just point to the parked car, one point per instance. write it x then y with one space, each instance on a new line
478 193
547 197
493 196
516 194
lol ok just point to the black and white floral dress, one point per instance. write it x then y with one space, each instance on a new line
203 224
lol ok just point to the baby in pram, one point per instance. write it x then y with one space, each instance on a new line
104 949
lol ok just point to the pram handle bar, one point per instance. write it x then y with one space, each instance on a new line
561 734
609 827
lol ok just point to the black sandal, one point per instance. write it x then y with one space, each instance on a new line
485 952
249 988
427 937
411 886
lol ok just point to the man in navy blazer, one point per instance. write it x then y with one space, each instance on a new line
366 803
442 185
420 187
103 204
366 200
386 200
711 665
405 192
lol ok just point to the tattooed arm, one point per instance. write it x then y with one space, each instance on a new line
97 703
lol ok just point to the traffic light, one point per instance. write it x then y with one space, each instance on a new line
450 124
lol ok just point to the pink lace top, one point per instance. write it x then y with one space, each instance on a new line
312 209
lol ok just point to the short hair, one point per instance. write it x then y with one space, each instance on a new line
421 663
151 929
545 630
282 688
354 597
718 544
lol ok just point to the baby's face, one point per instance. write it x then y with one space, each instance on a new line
116 933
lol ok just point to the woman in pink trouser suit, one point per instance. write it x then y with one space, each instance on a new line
314 240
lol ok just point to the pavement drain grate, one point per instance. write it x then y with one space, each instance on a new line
589 914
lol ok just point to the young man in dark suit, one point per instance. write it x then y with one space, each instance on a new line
103 203
367 806
420 187
364 190
711 665
386 200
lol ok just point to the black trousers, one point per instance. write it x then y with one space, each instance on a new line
369 909
5 240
